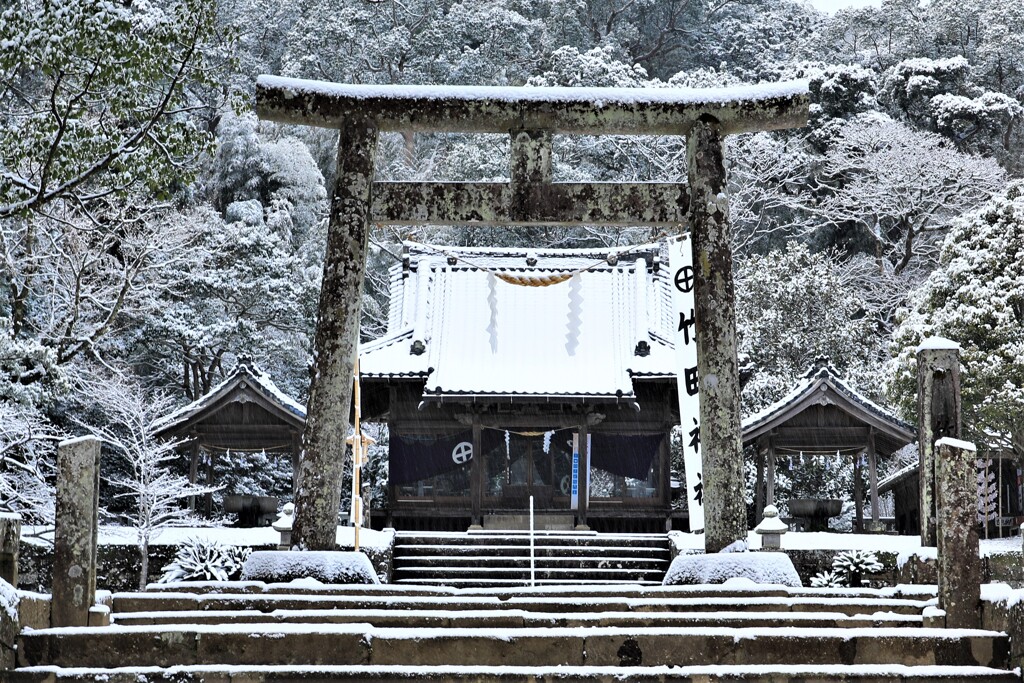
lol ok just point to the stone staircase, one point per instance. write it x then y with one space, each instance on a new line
502 558
256 633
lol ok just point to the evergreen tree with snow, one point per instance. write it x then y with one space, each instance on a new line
976 298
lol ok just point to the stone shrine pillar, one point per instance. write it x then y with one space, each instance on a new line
10 537
725 512
938 411
75 535
959 564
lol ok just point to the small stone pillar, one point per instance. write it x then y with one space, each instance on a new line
75 535
10 538
959 564
938 411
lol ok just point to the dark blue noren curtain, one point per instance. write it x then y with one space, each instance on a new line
414 457
627 455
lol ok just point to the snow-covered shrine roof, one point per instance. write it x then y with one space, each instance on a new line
467 333
246 384
823 387
897 477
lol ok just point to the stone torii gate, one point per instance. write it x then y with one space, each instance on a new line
530 116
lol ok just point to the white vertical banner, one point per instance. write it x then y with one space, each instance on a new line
680 263
574 483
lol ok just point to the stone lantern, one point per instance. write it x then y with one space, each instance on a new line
283 525
771 529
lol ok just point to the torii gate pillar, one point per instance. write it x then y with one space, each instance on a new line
530 116
725 512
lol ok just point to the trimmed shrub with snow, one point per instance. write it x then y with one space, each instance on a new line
279 566
854 564
205 560
761 568
830 579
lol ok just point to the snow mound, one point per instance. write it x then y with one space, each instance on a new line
9 600
280 566
759 568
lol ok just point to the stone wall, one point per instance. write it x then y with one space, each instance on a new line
1002 567
1003 610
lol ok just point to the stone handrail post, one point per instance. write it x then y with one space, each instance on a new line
10 538
938 410
75 535
959 563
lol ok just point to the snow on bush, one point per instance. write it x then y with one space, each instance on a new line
830 579
762 568
854 564
205 560
277 566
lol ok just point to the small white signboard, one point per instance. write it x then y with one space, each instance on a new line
682 274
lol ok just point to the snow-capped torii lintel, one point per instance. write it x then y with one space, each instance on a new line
625 111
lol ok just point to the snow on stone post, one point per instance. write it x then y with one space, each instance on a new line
76 529
938 415
959 564
725 512
337 336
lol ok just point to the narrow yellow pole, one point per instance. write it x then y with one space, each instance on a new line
357 461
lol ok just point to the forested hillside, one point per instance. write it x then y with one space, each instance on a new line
154 230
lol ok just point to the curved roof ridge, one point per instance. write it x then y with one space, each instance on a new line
822 375
245 370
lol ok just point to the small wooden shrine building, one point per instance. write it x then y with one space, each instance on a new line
824 415
245 412
485 383
1005 483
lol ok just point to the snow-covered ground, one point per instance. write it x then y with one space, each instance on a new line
118 535
816 540
904 545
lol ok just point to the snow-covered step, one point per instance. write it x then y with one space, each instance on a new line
714 600
895 673
567 574
512 538
516 618
547 560
501 559
606 646
429 549
468 582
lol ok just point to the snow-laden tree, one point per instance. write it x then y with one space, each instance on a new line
767 175
69 288
157 496
873 37
976 298
1000 56
792 308
890 191
96 101
245 290
753 40
27 472
255 161
941 95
